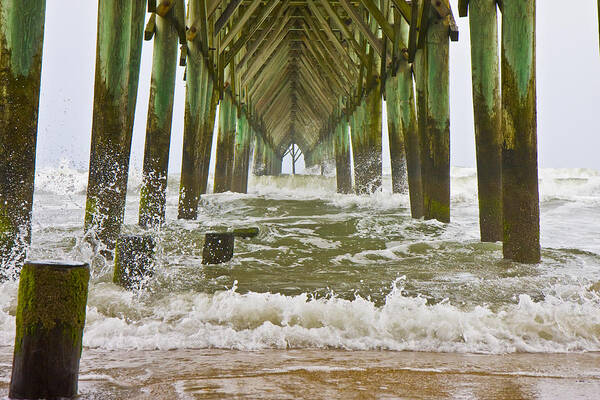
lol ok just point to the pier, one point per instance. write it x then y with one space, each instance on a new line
279 78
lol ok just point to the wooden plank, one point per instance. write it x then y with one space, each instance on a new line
239 25
164 7
260 20
227 13
413 30
330 33
379 17
463 8
404 8
362 26
424 24
150 27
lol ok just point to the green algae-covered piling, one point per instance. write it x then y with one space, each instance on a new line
396 138
225 145
372 153
242 154
197 75
400 90
520 196
21 43
434 119
218 248
208 132
258 167
134 261
160 114
343 163
408 125
486 104
50 319
119 35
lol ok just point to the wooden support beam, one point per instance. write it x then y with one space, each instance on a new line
425 18
283 16
487 116
463 7
339 23
119 27
227 13
239 24
241 155
21 41
386 28
164 7
208 129
198 77
364 28
343 163
225 145
265 12
413 32
158 128
404 8
150 28
520 193
432 70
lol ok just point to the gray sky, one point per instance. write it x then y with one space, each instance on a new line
568 67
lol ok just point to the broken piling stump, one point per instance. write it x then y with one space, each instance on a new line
134 259
218 247
50 319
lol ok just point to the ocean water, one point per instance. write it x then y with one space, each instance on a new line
331 272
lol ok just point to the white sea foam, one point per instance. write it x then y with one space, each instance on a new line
566 318
252 321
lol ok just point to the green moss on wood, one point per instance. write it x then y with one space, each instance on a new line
21 44
519 148
51 297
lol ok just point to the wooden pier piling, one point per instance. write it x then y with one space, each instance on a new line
120 32
434 118
49 330
243 137
160 115
343 163
208 133
520 195
225 145
487 109
197 78
134 260
400 90
396 137
21 44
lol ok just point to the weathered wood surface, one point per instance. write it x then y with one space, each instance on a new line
225 145
520 194
434 119
153 194
21 44
49 330
197 80
487 109
118 51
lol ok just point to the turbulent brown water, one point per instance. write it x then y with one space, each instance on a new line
334 297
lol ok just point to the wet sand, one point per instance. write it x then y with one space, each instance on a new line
329 374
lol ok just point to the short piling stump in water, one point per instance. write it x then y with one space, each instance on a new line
134 259
50 319
246 233
218 247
